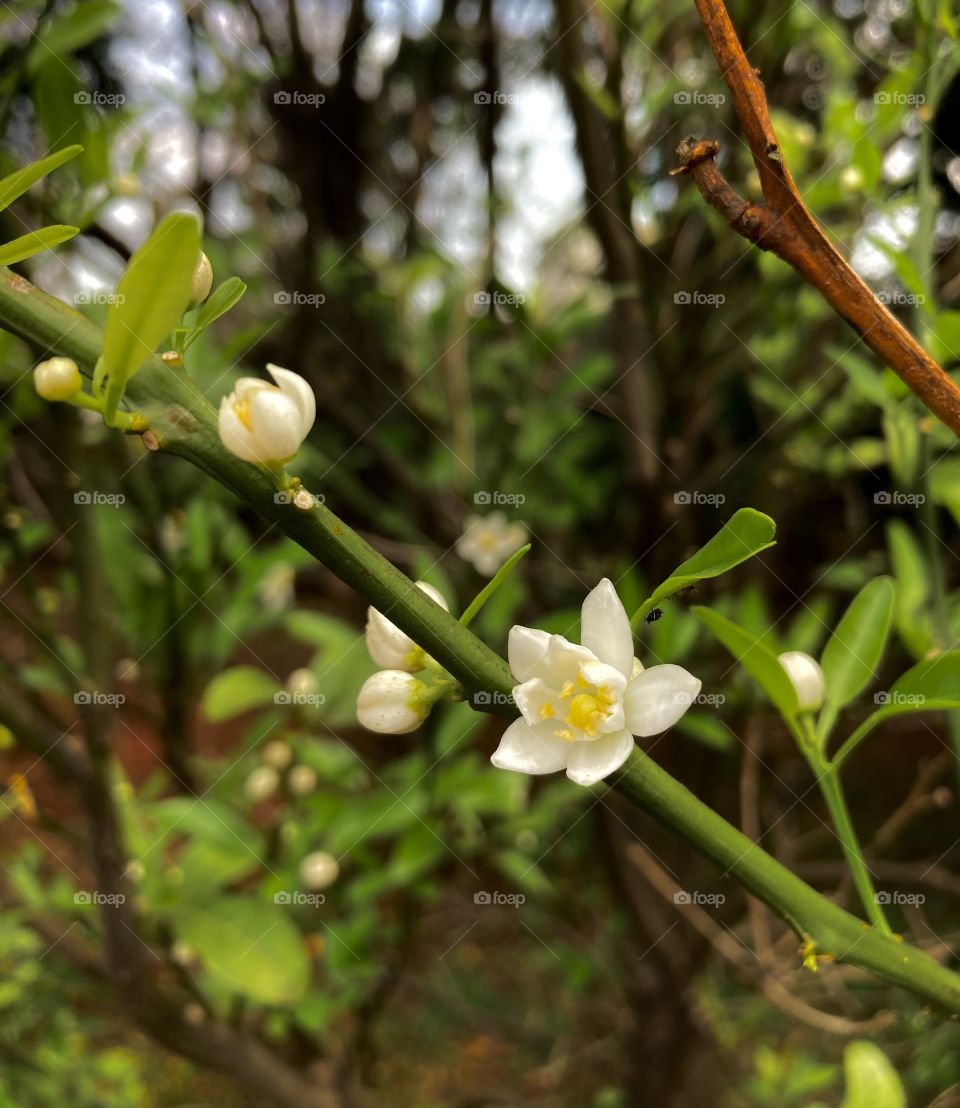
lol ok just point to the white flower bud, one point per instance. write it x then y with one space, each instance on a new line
261 783
277 754
806 677
57 379
265 423
301 780
389 646
318 870
202 281
390 702
302 682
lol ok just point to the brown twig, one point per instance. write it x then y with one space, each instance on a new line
783 224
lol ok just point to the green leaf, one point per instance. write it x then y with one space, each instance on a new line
741 537
492 586
17 183
34 242
74 29
248 946
872 1082
222 300
152 295
237 690
755 656
853 653
909 566
934 683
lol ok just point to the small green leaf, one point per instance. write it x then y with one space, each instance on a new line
222 300
17 183
872 1082
741 537
75 28
34 242
492 586
853 653
755 656
237 690
934 683
152 295
248 946
909 566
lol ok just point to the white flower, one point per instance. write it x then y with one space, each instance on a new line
266 423
389 646
487 541
57 379
301 780
391 702
261 783
277 754
806 676
581 705
202 281
318 870
301 682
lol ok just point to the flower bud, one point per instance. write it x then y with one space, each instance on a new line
806 676
301 780
391 702
318 870
389 646
265 423
302 682
202 281
277 754
57 379
261 783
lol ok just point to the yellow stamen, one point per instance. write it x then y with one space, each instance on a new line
567 691
241 410
547 711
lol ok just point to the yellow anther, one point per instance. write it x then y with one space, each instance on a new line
242 411
567 691
547 711
567 736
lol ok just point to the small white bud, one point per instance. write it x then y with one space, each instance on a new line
388 645
301 781
391 703
277 754
318 870
806 677
261 783
202 280
302 682
57 379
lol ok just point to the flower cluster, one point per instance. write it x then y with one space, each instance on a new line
393 701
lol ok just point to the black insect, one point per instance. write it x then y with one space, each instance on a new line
653 616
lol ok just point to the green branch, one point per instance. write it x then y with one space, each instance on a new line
183 422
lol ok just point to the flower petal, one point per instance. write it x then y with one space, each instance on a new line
525 749
562 661
657 698
605 628
275 420
590 762
530 697
234 436
526 647
293 385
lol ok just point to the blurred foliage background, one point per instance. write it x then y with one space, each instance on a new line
455 219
